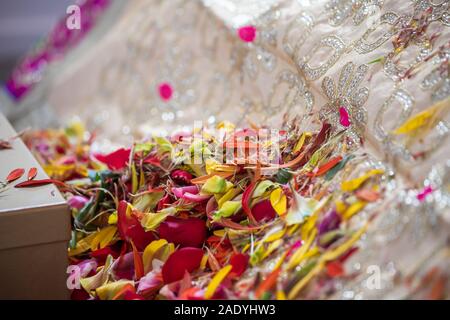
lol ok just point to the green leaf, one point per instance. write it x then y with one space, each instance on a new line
283 176
148 201
151 221
262 188
306 269
163 144
228 209
332 172
199 148
143 147
214 185
326 238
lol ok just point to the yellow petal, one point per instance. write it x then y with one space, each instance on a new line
150 221
226 125
280 261
354 184
82 245
58 170
98 279
279 201
112 219
301 142
103 237
219 233
109 290
309 226
425 118
275 235
211 165
204 261
340 207
134 179
216 281
327 256
150 251
353 209
343 248
272 247
298 255
230 194
214 185
280 295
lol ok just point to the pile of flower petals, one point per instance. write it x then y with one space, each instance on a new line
149 223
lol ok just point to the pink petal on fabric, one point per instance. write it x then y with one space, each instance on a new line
165 91
344 117
424 193
182 260
247 33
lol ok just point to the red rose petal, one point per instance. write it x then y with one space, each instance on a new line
184 232
239 262
115 160
130 228
263 210
79 294
185 259
181 176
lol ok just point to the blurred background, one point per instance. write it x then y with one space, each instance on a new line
22 24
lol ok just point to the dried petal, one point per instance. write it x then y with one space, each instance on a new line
15 174
38 183
32 173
